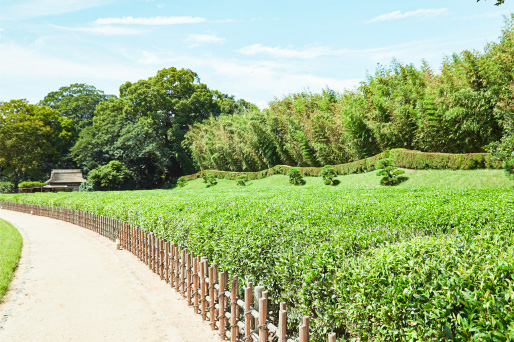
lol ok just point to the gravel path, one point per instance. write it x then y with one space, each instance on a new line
73 285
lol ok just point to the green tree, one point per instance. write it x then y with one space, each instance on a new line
32 139
389 171
77 101
112 176
295 177
498 2
145 127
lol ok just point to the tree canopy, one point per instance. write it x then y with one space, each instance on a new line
144 127
32 139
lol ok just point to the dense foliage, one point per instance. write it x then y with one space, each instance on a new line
145 126
32 139
383 264
112 176
6 187
462 109
29 184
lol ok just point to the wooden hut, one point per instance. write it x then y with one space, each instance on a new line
65 180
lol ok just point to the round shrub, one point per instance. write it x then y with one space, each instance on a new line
295 177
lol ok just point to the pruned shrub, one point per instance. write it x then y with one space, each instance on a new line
112 176
389 172
295 177
30 184
6 187
209 179
329 175
86 186
241 180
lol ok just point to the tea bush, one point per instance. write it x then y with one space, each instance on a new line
382 264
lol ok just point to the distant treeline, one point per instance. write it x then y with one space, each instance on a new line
461 109
172 124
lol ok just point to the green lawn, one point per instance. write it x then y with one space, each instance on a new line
415 178
10 251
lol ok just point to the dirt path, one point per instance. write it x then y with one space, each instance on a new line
72 285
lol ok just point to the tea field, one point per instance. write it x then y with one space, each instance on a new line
411 263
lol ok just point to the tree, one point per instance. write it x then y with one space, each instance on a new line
145 127
77 101
112 176
498 2
32 139
389 171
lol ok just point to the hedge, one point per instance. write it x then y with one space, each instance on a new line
403 158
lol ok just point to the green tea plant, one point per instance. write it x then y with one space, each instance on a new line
389 172
381 264
241 180
295 177
329 174
209 179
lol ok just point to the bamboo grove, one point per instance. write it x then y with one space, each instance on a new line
461 109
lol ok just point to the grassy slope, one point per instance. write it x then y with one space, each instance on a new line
416 178
10 251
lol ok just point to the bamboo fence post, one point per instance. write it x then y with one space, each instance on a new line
222 300
263 312
203 292
234 310
257 295
177 269
248 314
188 277
305 321
304 333
167 260
282 323
331 337
182 271
212 313
195 284
161 247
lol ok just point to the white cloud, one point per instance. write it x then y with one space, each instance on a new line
107 30
280 52
197 39
39 8
314 52
149 20
396 15
223 21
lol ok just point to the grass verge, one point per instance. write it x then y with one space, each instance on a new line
10 251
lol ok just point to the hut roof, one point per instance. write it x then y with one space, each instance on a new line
66 176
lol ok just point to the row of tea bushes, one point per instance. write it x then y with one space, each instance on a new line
383 264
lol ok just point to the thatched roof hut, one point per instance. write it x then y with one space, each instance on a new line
65 178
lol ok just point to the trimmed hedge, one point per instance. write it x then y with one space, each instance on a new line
403 158
29 184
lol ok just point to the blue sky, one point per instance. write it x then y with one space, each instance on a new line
256 50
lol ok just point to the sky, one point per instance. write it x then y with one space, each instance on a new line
255 50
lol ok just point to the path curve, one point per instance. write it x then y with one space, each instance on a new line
73 285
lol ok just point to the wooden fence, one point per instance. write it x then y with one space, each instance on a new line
204 287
